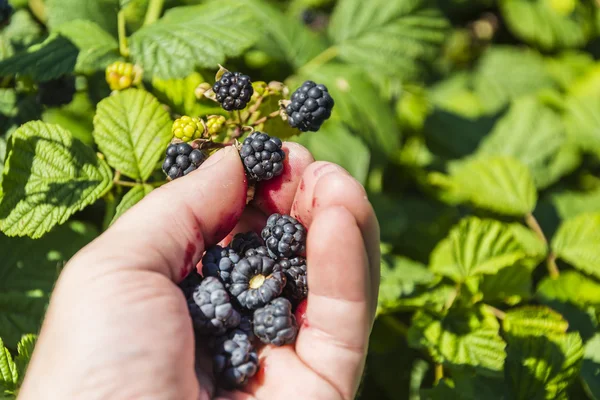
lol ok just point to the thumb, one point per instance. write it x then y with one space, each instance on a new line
169 229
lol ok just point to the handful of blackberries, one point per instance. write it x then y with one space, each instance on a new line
246 295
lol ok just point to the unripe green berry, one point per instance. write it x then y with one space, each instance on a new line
215 124
121 75
188 128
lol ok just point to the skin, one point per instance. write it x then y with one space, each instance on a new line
118 327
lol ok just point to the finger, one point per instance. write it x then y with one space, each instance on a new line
168 230
325 185
333 339
277 195
252 220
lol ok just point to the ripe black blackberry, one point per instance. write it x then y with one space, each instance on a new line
256 280
181 159
284 236
242 242
56 92
262 156
310 106
233 91
190 283
296 287
211 309
6 11
234 360
275 323
219 262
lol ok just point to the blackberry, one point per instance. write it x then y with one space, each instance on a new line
234 360
284 236
6 11
187 128
311 105
56 92
262 156
121 75
211 309
233 91
296 287
243 242
308 16
219 262
275 323
256 280
260 251
181 159
247 326
190 283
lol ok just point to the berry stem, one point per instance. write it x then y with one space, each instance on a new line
533 224
552 267
123 46
439 373
154 10
117 181
265 118
497 313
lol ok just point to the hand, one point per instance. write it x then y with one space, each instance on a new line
118 326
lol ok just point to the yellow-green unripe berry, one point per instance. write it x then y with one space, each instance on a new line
121 75
188 128
215 124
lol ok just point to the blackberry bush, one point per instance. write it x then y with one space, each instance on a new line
310 106
233 91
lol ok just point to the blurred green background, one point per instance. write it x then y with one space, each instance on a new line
421 87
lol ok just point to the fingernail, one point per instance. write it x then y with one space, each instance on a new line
218 156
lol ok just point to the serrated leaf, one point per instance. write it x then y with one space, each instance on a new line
461 338
354 156
358 105
577 241
590 369
572 287
510 285
393 38
179 95
542 359
500 184
546 24
131 198
48 60
582 121
28 271
205 34
97 48
569 204
25 350
495 88
48 176
529 132
132 129
285 38
9 375
101 12
455 94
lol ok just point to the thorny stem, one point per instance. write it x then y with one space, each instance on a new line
255 106
123 46
551 260
327 55
497 313
439 373
154 10
117 181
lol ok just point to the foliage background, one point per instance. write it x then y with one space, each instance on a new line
473 124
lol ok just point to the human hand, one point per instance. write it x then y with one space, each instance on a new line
118 326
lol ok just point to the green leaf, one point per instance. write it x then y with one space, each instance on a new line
577 241
2 157
529 132
542 359
25 350
132 198
510 285
23 29
461 338
358 105
582 121
394 38
590 370
500 184
495 88
195 36
28 271
572 287
354 156
569 204
179 94
45 61
48 176
456 95
101 12
132 129
569 66
77 117
9 375
550 24
97 48
8 102
285 37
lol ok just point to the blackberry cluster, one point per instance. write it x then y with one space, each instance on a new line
181 159
56 92
6 11
310 106
245 297
262 156
233 91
